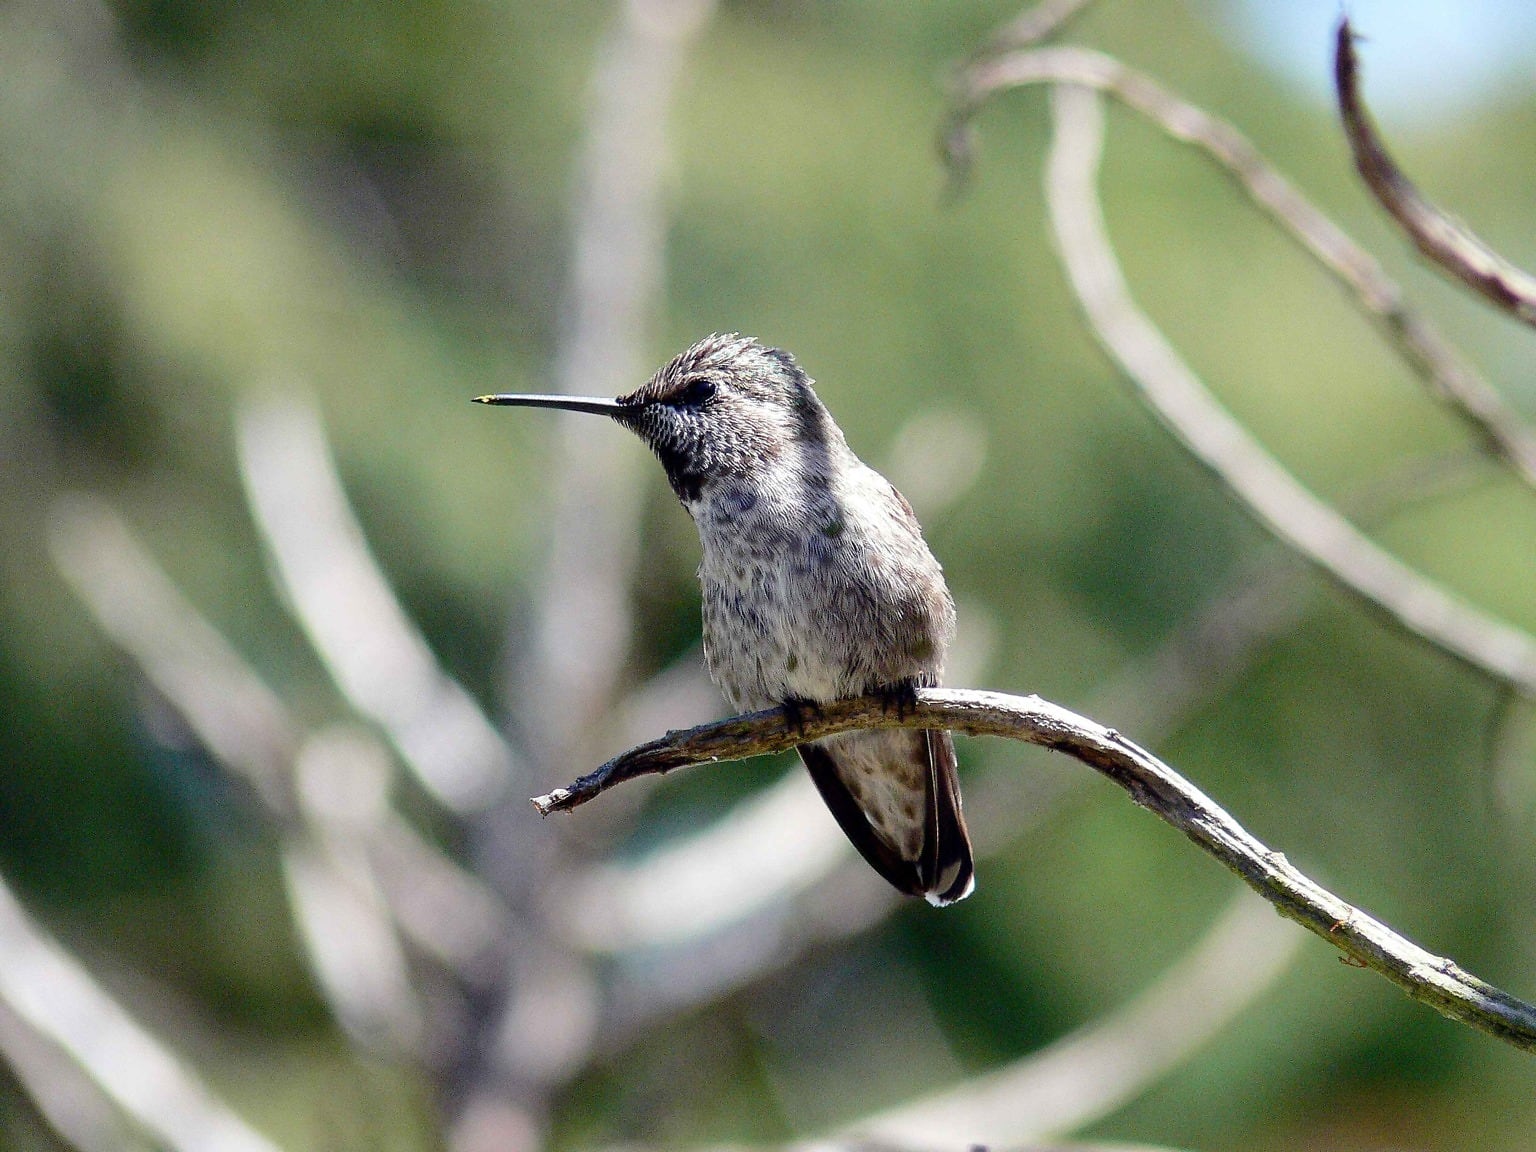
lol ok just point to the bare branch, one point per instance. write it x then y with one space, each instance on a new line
1450 377
582 615
238 718
66 1097
765 849
251 734
1444 241
1093 1071
1435 980
1033 25
373 650
48 988
1223 445
957 140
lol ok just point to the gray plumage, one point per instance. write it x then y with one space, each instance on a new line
817 585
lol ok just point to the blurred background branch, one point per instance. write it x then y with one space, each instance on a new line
1090 1073
1035 23
326 794
1448 373
46 987
373 651
403 207
1223 445
583 625
79 1111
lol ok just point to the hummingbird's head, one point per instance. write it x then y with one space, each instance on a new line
725 408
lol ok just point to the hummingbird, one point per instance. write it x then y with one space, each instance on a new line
817 585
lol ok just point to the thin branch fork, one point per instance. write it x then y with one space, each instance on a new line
1437 981
1444 241
1470 396
1222 444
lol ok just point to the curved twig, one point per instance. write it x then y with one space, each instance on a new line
957 138
1442 240
1215 438
1031 26
1450 377
1435 980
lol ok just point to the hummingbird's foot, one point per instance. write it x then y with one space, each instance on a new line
900 697
797 709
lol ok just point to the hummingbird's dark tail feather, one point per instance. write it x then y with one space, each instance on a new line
952 871
896 796
881 856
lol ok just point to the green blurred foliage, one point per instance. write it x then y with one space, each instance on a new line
369 201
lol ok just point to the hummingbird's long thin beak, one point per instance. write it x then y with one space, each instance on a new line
595 404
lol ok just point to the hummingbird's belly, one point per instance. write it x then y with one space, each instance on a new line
776 631
764 646
816 600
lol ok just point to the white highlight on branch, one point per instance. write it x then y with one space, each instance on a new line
65 1096
343 785
53 993
238 718
1090 1073
341 599
768 847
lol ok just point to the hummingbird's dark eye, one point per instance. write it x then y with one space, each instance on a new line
699 391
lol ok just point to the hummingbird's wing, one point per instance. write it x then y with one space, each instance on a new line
896 795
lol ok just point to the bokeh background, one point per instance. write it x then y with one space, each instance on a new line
372 209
